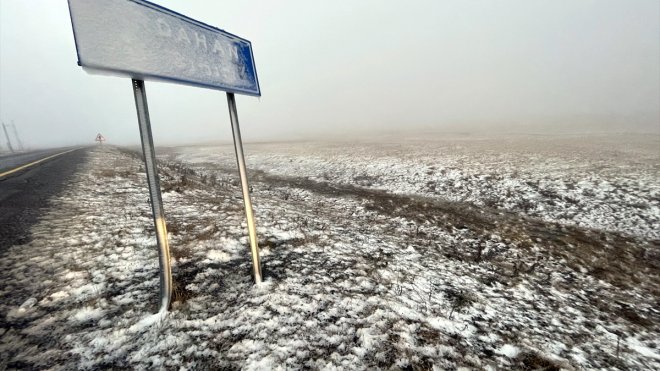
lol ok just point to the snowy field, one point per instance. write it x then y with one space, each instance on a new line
464 253
604 182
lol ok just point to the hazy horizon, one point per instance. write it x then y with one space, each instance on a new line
341 69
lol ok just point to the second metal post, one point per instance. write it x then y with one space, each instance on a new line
242 171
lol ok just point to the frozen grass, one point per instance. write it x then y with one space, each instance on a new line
357 276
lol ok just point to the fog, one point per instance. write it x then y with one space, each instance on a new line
342 69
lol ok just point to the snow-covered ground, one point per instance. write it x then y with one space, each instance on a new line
603 182
532 253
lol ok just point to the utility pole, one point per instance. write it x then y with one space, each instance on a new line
18 139
4 127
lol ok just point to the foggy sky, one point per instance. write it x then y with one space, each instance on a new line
336 68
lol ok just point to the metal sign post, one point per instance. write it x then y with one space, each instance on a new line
242 171
154 193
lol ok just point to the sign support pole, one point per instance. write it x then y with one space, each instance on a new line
154 194
242 171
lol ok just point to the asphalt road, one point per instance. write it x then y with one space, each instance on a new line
25 193
10 161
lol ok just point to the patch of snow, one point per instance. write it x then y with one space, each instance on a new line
634 344
218 255
148 321
87 314
23 309
508 350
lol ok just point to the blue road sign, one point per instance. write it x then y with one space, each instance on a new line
144 41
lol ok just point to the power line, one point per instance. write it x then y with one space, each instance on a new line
4 128
18 139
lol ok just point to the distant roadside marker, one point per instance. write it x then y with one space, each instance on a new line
144 41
